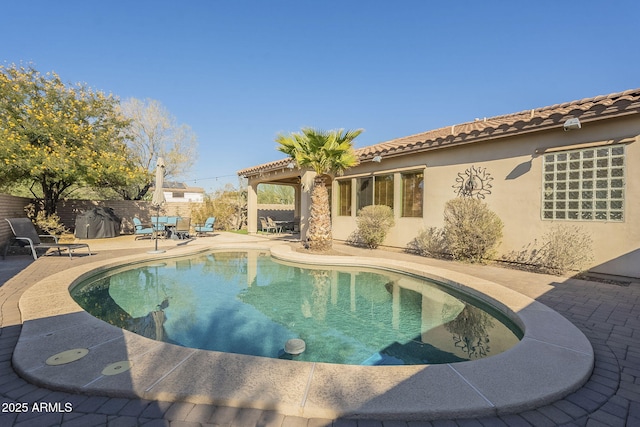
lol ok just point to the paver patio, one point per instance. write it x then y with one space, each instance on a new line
608 314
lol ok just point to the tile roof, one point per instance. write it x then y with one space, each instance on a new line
538 119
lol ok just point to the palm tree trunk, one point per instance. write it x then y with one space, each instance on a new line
319 233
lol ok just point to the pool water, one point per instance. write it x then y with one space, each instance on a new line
247 302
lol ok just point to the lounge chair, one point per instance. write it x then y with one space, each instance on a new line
24 231
141 229
206 228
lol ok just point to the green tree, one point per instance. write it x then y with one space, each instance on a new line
276 194
57 137
326 153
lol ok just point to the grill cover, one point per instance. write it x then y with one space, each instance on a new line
97 223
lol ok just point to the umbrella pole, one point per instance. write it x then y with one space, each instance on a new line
157 217
158 199
156 251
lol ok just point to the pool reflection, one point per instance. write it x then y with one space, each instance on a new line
246 302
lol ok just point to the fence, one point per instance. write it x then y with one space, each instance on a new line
276 212
124 209
13 207
10 207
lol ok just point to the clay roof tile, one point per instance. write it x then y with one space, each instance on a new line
588 109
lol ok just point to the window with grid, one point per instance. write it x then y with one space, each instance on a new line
344 197
412 186
586 184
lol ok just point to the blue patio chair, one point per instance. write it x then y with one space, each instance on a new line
142 230
206 228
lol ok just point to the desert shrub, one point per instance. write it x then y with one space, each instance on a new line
50 224
562 249
373 223
228 206
429 242
565 248
472 231
527 258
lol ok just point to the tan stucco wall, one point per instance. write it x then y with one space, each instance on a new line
516 191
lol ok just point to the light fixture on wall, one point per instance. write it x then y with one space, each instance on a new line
572 124
291 165
377 159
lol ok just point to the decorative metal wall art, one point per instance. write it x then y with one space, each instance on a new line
473 182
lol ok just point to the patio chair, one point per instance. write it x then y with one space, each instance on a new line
142 229
271 223
264 226
206 228
182 228
24 231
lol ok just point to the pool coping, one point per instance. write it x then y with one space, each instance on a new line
553 359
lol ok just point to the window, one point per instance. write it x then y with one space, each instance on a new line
585 184
412 190
383 190
344 197
365 192
177 194
376 190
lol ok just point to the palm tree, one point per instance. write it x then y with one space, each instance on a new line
326 153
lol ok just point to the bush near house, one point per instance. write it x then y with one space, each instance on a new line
562 249
471 233
373 223
429 242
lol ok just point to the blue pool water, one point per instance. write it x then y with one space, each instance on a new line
246 302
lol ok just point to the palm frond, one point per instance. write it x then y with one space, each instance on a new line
323 151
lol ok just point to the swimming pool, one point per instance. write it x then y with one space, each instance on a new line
249 303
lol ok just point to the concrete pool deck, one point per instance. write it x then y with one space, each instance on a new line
551 362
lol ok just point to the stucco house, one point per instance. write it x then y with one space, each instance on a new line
571 163
179 192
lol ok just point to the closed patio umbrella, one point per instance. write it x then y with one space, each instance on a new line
158 195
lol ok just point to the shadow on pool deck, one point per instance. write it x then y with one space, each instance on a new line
607 314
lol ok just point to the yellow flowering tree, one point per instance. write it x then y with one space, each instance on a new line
56 137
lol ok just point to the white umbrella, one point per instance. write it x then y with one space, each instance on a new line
158 195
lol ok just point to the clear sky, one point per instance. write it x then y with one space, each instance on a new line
239 72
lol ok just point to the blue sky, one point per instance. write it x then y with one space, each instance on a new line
240 72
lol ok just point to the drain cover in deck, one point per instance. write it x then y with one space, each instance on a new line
117 368
67 356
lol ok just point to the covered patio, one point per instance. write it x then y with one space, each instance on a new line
280 172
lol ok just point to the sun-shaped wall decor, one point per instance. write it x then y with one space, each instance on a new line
474 182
